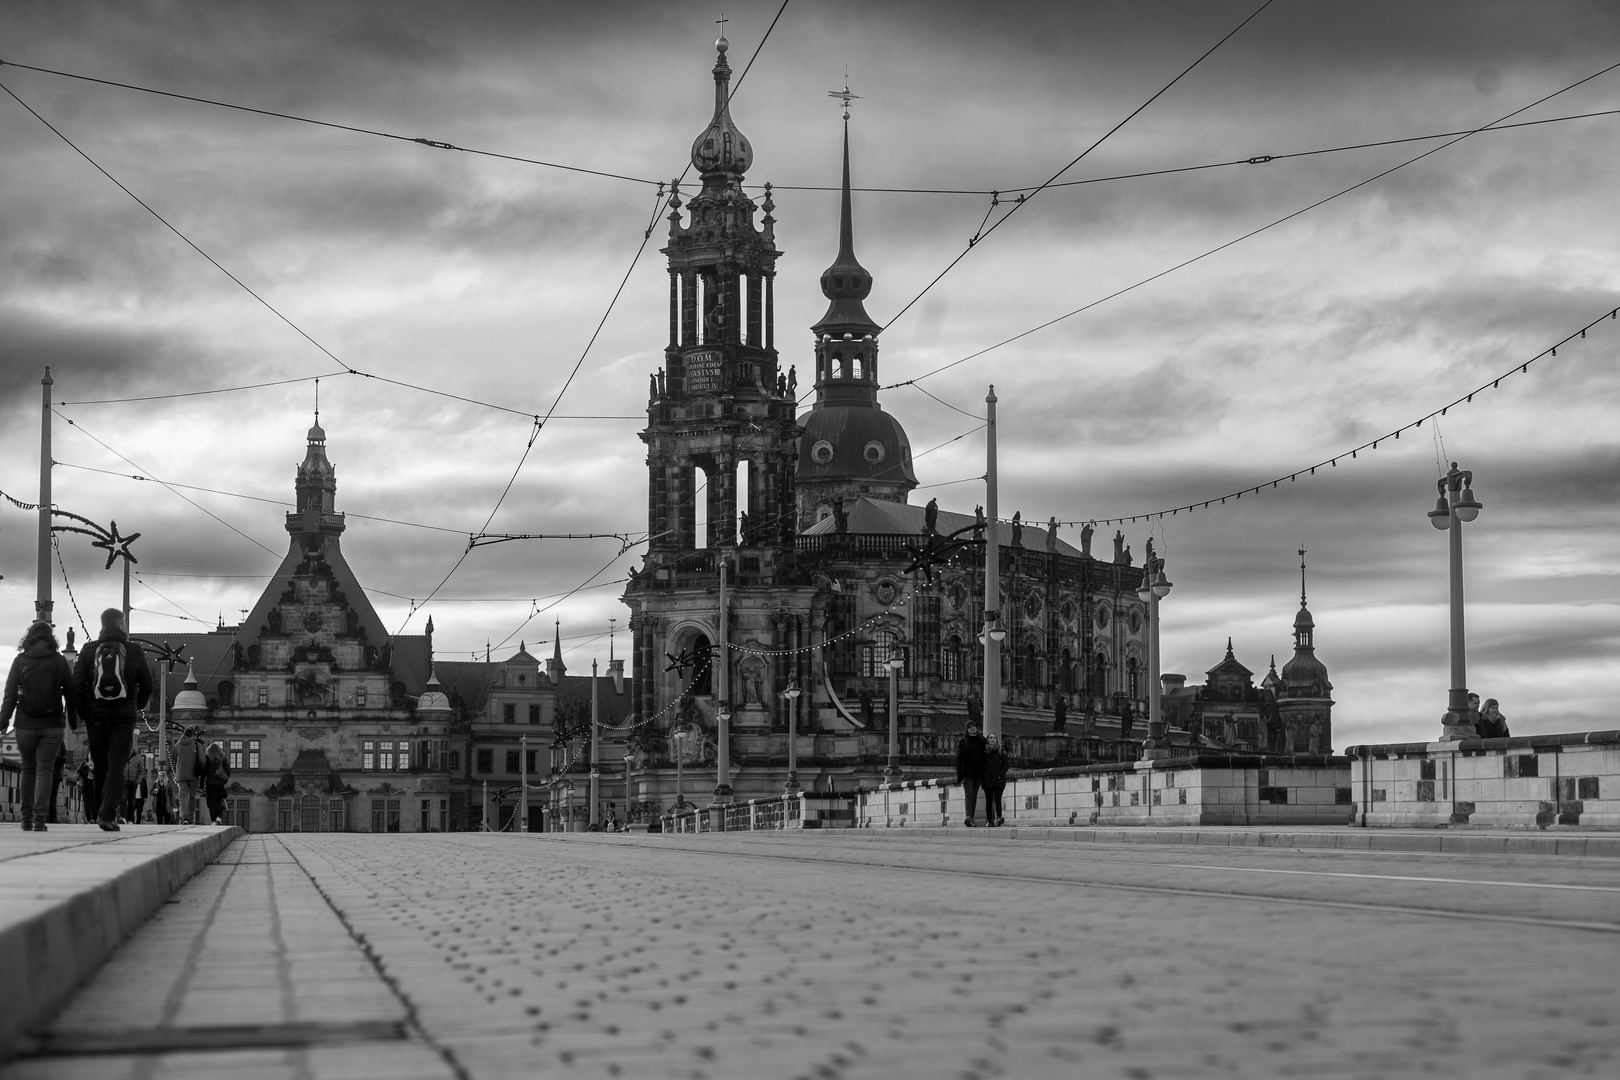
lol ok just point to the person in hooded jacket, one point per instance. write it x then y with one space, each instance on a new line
216 774
187 770
970 769
40 695
994 779
115 683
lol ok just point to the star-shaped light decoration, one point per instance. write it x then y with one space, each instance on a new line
116 547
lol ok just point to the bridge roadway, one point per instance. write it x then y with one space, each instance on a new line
851 954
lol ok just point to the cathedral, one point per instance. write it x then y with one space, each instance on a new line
782 601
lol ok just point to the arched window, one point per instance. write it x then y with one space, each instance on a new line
1097 682
1132 676
1066 672
1032 666
855 367
953 659
702 677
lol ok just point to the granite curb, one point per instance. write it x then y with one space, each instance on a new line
66 907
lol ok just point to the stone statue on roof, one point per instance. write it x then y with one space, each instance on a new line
1086 532
931 517
1119 546
1017 529
1051 533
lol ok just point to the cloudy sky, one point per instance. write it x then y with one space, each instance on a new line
486 278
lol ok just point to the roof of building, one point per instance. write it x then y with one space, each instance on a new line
865 443
883 518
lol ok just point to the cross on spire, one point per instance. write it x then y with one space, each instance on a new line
844 95
1302 575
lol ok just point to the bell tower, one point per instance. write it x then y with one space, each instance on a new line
721 435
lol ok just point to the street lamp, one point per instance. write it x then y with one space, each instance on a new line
722 768
1155 586
792 694
680 735
629 759
897 660
568 815
1456 505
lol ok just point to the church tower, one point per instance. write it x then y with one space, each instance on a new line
721 429
1304 704
850 447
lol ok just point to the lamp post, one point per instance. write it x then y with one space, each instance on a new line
1456 505
629 759
595 804
568 813
1155 586
679 737
897 660
523 783
994 632
792 694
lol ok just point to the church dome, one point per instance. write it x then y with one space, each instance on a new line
433 698
1305 675
189 699
721 148
856 442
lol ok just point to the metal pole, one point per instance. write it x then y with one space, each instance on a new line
722 708
595 748
891 771
1459 661
793 743
523 773
680 776
163 729
126 593
485 810
42 598
992 577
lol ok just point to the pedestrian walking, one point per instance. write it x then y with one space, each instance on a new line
86 773
970 769
187 768
39 699
216 774
115 683
134 788
994 779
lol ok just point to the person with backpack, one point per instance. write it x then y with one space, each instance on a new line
115 683
40 695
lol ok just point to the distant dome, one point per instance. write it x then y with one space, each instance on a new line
190 698
317 433
854 442
433 698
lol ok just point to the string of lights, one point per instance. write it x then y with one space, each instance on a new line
18 503
1252 233
56 542
1353 454
1020 201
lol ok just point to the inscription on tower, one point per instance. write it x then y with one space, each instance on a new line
703 372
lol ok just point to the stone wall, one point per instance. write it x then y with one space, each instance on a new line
1529 781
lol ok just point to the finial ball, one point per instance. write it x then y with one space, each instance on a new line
721 44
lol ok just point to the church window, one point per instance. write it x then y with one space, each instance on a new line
509 713
1032 666
855 367
1098 683
486 760
1132 675
874 452
1103 615
1136 620
822 452
512 762
1066 672
702 679
368 755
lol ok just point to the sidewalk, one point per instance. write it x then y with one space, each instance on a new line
70 895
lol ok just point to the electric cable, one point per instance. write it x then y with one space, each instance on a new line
1021 200
1249 235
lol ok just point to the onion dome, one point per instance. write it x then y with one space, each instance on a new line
190 699
1305 675
722 150
433 698
855 442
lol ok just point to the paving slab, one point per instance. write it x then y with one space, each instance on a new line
69 895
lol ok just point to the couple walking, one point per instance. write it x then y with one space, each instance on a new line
109 687
981 762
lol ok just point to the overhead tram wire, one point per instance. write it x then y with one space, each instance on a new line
433 143
539 423
172 490
1353 454
1022 200
1250 234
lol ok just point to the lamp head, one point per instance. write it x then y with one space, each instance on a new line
1440 516
896 662
1161 584
998 633
1467 507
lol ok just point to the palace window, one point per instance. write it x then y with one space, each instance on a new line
486 761
534 714
368 755
509 713
953 659
385 756
236 812
264 695
284 815
512 762
334 815
360 697
528 760
385 815
244 754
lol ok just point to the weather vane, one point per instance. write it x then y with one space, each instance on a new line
844 95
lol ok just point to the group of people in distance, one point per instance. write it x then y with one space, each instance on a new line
107 690
981 765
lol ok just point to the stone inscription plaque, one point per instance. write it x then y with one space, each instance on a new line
703 372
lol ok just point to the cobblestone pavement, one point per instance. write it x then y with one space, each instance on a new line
854 955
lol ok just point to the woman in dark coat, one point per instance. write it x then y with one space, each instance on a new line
40 694
216 773
995 779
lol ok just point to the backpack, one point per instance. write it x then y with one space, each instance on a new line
41 688
109 673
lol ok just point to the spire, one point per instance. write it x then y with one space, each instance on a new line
555 668
846 282
1229 655
315 490
1302 575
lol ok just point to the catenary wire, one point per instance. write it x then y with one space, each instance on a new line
1248 235
1022 200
